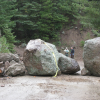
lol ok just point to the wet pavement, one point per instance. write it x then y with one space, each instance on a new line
64 87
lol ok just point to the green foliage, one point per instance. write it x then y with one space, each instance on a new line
7 11
57 43
17 42
89 13
43 18
81 29
96 33
88 36
4 45
10 38
82 43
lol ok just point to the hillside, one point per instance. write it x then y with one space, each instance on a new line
69 37
75 37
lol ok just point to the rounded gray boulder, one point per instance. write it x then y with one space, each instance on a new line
39 58
91 56
68 65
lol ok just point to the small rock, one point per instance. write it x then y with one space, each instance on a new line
76 27
21 58
12 62
84 72
74 42
63 32
71 27
15 69
62 48
23 45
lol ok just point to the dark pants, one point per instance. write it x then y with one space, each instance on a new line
72 56
66 54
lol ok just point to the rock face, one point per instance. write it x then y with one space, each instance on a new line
67 65
15 69
8 57
39 59
91 56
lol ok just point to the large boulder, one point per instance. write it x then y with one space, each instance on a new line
15 69
91 56
39 58
8 57
67 65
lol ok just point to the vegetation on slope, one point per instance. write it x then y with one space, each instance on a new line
30 19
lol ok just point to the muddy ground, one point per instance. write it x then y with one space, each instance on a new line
64 87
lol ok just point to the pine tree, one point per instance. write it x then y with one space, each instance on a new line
89 13
7 11
43 18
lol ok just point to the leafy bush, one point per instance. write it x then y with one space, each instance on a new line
4 45
57 43
96 33
87 36
7 11
89 11
82 43
9 37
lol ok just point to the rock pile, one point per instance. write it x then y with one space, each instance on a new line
11 65
39 59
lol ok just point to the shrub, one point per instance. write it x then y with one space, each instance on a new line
96 33
82 43
4 45
9 37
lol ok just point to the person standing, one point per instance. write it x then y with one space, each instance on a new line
66 51
72 52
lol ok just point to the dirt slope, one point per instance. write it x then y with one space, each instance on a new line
69 37
74 37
